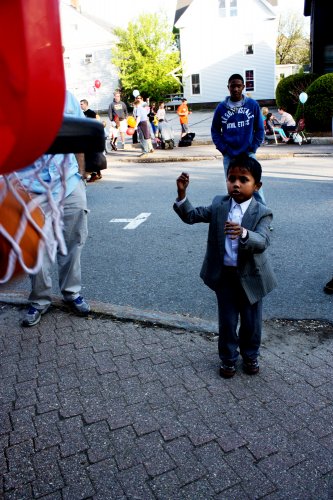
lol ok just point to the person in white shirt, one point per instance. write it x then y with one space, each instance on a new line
286 121
142 124
75 227
161 111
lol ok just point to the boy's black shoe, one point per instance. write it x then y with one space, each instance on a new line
251 366
227 371
328 288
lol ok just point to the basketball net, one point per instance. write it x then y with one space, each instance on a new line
30 223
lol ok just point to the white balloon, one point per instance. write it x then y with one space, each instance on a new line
303 97
136 93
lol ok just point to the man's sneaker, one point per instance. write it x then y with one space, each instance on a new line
93 177
251 366
227 371
79 305
328 288
33 316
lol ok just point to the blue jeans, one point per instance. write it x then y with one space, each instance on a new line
232 305
258 195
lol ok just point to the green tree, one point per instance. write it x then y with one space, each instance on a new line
147 57
292 46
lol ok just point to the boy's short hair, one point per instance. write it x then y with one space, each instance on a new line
236 76
250 164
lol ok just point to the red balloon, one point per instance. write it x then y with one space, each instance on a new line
97 84
130 131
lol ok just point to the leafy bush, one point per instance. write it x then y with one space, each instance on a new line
289 88
318 109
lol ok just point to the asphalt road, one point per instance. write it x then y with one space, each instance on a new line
156 265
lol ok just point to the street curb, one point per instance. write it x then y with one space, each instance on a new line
170 159
128 313
178 159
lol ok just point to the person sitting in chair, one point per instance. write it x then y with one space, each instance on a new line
272 129
286 121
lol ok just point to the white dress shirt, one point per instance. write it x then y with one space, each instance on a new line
236 214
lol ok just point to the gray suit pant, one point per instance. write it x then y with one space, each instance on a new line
69 266
232 306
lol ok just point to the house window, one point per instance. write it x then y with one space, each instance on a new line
249 49
222 8
88 58
195 80
227 8
248 44
249 80
233 8
67 62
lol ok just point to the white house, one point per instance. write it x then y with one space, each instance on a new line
87 58
221 37
284 70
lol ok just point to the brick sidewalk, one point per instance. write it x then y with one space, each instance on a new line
94 408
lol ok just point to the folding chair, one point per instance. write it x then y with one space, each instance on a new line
272 136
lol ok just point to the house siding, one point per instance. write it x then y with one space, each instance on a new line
213 47
82 36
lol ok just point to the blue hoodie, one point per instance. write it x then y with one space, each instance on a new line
237 130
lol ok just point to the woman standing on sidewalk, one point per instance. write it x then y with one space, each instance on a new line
142 124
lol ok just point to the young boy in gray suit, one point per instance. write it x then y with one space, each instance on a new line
236 264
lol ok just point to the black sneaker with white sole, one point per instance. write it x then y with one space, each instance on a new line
251 366
227 370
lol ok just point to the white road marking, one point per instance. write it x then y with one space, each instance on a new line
133 223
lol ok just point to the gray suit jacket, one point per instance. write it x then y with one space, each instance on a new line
254 269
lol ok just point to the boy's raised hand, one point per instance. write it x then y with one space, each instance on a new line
182 182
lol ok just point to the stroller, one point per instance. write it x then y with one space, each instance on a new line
165 136
298 135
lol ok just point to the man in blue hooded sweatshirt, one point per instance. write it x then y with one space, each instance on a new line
238 126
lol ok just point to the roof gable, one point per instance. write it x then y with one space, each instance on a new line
78 28
182 6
